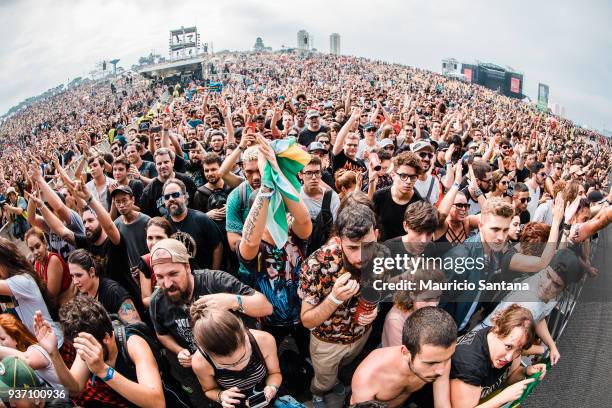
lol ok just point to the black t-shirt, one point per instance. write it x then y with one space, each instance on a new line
148 156
111 295
389 214
200 235
152 202
171 319
525 217
341 161
308 136
137 187
200 201
522 175
112 260
471 363
179 164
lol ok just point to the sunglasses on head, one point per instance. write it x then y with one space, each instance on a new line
176 194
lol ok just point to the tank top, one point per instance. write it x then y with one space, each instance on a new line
42 273
251 377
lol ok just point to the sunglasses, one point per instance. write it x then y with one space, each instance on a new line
424 155
525 200
504 182
175 195
390 147
215 123
462 206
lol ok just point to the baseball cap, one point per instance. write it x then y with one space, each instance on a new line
595 196
369 125
122 189
574 169
16 373
312 114
386 142
314 146
169 250
421 145
565 263
443 146
328 105
11 190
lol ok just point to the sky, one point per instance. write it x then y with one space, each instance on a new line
564 44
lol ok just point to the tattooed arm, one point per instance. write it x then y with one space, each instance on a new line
128 313
254 226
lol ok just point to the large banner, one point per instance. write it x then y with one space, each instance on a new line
543 95
468 74
515 85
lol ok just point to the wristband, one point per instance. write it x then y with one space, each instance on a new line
334 299
478 192
455 184
240 306
219 396
265 192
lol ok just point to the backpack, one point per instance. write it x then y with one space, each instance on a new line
321 225
173 393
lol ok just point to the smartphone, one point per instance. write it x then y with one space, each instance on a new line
188 146
155 129
251 126
257 400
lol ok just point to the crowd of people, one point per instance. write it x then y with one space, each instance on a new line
194 262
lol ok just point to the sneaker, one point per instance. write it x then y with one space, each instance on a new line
318 401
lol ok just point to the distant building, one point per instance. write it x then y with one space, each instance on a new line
303 40
334 44
259 45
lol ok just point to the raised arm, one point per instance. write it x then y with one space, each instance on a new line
339 145
106 222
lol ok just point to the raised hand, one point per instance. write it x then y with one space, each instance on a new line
44 333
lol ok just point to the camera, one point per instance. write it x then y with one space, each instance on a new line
155 129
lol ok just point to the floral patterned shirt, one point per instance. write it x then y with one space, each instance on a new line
317 277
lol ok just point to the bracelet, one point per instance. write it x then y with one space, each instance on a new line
334 299
273 386
219 396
